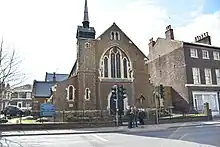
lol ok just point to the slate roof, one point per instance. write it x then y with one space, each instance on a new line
42 88
59 77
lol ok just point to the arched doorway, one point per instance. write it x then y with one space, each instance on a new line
112 105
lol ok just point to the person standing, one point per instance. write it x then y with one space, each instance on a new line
130 117
135 119
141 116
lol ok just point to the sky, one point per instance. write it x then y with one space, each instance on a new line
43 32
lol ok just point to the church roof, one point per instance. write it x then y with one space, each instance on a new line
42 89
59 77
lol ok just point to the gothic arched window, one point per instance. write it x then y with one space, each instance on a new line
125 68
118 65
112 65
70 93
105 67
115 64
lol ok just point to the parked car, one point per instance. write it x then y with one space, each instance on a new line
13 111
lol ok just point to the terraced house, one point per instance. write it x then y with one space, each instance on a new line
192 69
103 61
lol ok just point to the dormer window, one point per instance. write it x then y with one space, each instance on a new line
115 35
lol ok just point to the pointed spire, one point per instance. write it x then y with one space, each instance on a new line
86 16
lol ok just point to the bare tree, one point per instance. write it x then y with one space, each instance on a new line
10 73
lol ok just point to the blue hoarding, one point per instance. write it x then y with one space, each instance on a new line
47 109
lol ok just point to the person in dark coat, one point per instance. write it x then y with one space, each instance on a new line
141 116
135 120
130 117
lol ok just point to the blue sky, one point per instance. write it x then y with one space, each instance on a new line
43 31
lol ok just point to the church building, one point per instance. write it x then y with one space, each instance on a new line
102 62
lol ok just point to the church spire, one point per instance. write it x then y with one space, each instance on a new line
86 16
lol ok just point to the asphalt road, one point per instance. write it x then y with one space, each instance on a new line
200 134
93 140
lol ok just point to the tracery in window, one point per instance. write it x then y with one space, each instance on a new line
116 64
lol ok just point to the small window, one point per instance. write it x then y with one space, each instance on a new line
115 35
70 93
87 45
205 54
193 53
216 55
87 94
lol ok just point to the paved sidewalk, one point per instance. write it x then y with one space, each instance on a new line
107 129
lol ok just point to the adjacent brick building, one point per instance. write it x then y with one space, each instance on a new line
191 69
112 58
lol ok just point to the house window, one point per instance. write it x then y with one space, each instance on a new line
196 76
87 94
28 95
217 73
193 53
70 93
205 54
208 76
216 56
115 35
115 64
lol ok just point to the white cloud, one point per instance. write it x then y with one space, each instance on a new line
44 31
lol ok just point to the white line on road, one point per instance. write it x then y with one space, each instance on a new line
184 135
99 138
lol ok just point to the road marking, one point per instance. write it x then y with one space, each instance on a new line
171 135
183 136
99 138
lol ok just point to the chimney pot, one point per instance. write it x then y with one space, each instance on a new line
169 32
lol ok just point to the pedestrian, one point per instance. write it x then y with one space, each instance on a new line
130 117
135 119
141 116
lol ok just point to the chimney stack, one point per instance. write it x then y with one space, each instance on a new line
203 38
151 42
169 33
54 77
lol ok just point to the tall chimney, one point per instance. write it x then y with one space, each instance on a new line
169 33
203 38
151 47
54 77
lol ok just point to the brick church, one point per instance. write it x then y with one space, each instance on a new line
103 61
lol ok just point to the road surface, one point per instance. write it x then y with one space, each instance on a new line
93 140
199 134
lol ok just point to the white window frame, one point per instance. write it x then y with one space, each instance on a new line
199 76
193 53
217 73
205 54
208 74
216 55
85 94
67 97
203 93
